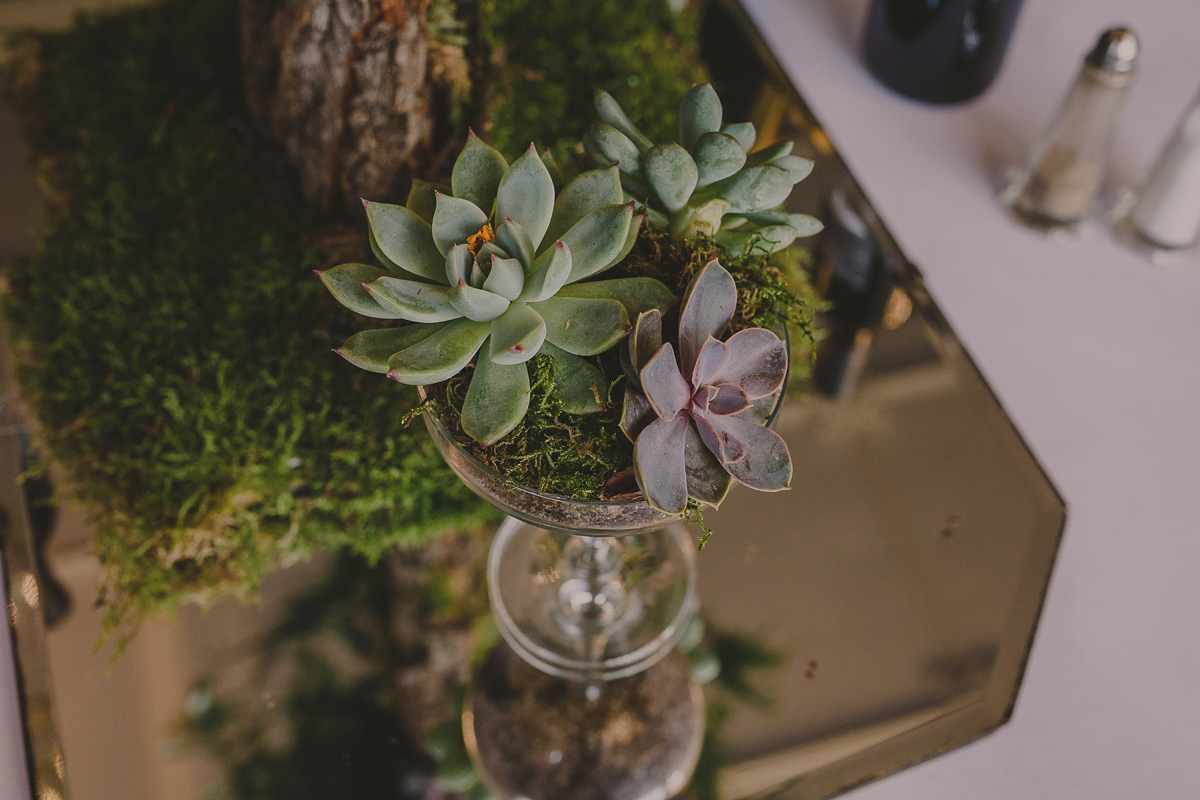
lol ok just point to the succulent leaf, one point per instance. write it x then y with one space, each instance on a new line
699 113
757 363
526 195
477 173
754 188
550 272
478 276
708 305
766 464
556 173
616 148
371 349
636 414
479 305
672 174
718 155
802 223
744 132
663 384
597 240
345 283
422 198
767 239
769 153
610 112
489 249
713 356
459 262
660 465
707 480
405 239
706 219
724 400
583 326
515 240
506 278
496 400
589 191
415 302
645 340
580 385
517 335
388 264
454 220
800 168
440 356
635 226
636 294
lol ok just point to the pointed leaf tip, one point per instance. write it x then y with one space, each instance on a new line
470 132
365 202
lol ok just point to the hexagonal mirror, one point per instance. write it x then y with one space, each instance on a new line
877 614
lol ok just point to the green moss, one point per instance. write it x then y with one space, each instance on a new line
170 337
547 57
572 455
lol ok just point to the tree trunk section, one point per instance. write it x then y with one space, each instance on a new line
343 87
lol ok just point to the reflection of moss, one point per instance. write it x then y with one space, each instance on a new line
331 726
172 343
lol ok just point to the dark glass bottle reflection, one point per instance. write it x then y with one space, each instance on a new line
939 51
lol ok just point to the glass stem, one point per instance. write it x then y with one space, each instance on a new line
592 597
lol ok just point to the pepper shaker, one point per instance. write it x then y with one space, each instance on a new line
1056 189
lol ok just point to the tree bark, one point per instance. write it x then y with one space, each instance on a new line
343 86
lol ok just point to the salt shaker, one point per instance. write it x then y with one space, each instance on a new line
1166 214
1056 189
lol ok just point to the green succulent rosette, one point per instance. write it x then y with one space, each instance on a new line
490 270
711 181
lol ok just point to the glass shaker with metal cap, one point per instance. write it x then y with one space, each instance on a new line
1057 187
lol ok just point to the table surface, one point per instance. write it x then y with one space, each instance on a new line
1093 352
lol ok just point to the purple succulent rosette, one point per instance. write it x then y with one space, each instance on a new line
691 415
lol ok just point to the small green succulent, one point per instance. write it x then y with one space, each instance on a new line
468 269
709 182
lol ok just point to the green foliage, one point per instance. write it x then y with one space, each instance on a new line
549 55
171 338
171 341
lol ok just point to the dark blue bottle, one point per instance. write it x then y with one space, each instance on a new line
939 51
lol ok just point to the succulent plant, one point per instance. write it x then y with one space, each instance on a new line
709 181
468 269
692 414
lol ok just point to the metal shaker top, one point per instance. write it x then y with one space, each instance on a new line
1116 51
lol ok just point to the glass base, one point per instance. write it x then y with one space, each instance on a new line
591 608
